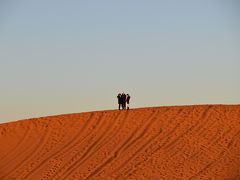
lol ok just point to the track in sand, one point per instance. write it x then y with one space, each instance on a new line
175 142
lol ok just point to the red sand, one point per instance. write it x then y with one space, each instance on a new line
178 142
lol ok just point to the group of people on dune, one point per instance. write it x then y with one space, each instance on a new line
123 101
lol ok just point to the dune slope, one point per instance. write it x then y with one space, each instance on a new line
177 142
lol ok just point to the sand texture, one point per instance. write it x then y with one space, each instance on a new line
176 142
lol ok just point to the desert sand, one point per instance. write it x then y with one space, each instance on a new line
175 142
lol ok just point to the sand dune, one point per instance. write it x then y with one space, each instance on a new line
178 142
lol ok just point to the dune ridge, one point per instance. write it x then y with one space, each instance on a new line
170 142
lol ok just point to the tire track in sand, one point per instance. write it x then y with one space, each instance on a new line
135 154
213 141
179 111
152 120
14 150
76 157
65 148
105 141
127 144
87 154
91 124
210 151
216 160
33 152
214 111
171 132
204 116
119 132
144 146
168 145
166 137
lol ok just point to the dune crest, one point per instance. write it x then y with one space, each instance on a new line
175 142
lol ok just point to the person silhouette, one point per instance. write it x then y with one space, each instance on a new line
119 96
127 101
123 97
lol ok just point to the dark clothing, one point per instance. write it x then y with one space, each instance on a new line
128 99
119 101
123 101
123 97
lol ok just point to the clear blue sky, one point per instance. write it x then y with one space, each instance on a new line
73 56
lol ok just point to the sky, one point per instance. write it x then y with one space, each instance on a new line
59 57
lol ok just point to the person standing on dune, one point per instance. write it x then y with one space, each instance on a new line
123 100
127 101
119 101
